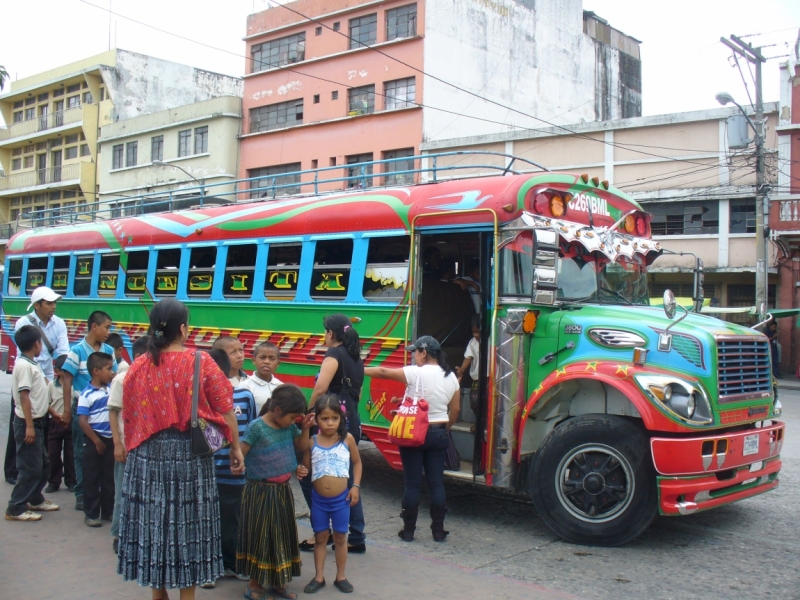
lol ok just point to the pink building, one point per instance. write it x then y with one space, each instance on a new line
335 82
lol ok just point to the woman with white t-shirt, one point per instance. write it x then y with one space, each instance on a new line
440 389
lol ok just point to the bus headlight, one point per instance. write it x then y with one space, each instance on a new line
685 399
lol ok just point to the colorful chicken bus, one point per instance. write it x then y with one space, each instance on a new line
605 410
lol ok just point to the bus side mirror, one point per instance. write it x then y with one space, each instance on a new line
545 261
699 280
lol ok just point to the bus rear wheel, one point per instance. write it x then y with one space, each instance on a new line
592 481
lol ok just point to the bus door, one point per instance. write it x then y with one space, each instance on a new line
448 293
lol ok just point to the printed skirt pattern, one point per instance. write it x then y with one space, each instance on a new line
268 548
169 533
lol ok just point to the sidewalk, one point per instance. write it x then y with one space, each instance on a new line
788 382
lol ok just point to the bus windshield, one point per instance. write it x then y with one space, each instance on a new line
582 276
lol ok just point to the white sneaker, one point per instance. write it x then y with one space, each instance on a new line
45 506
232 573
208 585
26 516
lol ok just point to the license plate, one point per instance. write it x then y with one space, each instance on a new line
750 445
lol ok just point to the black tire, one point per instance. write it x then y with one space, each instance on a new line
592 481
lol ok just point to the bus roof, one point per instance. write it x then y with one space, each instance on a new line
448 203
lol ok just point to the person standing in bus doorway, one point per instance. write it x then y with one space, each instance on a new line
235 351
266 358
342 373
54 343
440 388
74 379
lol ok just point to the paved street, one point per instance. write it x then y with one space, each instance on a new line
498 548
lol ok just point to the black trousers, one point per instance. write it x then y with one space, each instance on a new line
59 438
230 505
98 480
10 462
33 468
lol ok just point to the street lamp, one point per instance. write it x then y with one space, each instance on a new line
200 182
761 243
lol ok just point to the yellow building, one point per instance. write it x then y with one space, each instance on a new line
49 148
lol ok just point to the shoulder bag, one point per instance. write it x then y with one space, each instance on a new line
348 399
410 424
45 341
206 437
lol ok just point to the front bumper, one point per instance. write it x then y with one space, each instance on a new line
705 472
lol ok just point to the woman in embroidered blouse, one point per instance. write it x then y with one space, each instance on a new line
169 522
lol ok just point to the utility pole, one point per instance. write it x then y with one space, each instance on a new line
754 56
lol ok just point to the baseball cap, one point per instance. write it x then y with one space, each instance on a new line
43 293
426 343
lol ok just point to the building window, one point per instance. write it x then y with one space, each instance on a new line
17 151
335 95
263 188
73 101
85 150
28 162
400 93
283 51
184 142
71 139
361 100
29 101
276 116
684 218
116 153
73 88
71 152
156 148
397 178
87 97
19 104
318 31
360 172
43 97
19 116
30 113
337 26
16 164
102 94
401 22
201 140
57 93
14 214
316 98
743 216
363 30
131 154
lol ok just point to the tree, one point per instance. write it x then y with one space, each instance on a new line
3 77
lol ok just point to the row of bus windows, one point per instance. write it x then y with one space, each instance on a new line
385 276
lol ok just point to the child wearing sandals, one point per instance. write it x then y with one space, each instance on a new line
267 550
330 452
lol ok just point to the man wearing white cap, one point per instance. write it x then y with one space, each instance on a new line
54 343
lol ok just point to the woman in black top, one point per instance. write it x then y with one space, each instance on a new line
342 373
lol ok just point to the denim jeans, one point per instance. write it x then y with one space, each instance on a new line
33 468
78 440
119 473
431 456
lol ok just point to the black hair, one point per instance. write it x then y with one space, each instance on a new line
474 263
475 322
98 360
166 318
331 401
344 332
222 340
288 398
267 344
58 361
140 345
441 358
26 337
98 317
219 356
115 341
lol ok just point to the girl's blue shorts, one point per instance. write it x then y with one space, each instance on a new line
331 513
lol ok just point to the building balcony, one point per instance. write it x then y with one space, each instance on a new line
41 178
44 123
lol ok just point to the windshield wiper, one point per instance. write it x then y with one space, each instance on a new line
617 294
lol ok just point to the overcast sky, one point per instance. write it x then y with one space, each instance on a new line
683 63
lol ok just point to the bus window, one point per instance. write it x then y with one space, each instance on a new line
14 277
283 269
516 268
37 273
167 265
109 273
331 275
387 269
60 274
136 273
239 271
83 276
201 272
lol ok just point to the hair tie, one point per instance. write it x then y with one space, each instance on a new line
158 334
346 327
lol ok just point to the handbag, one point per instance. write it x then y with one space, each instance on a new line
410 424
452 460
207 438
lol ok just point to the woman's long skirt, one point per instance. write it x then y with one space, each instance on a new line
169 534
268 549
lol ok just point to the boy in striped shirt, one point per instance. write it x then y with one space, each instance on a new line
98 453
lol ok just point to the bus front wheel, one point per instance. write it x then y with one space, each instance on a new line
592 481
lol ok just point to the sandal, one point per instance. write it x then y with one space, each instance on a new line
283 593
251 594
